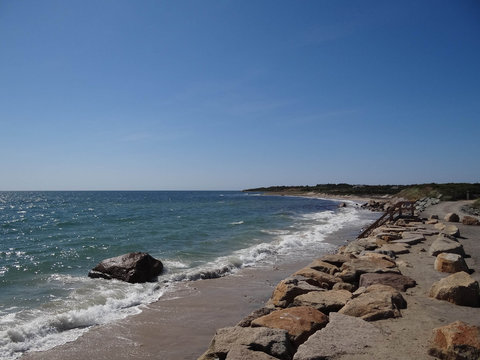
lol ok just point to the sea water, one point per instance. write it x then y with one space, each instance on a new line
50 240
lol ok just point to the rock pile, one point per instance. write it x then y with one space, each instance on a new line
374 205
423 203
326 310
471 210
358 285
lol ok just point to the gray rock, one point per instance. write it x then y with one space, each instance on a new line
134 267
273 342
337 259
397 248
412 240
376 302
397 281
351 271
323 266
445 245
343 335
241 352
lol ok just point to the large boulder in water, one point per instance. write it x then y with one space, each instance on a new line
135 267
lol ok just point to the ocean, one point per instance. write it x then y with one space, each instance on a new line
50 240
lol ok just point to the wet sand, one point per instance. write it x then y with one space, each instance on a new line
181 324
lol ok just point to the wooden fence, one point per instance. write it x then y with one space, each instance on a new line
401 209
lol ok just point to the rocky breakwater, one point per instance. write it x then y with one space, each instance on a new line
329 309
135 267
324 303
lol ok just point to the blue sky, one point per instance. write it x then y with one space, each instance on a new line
236 94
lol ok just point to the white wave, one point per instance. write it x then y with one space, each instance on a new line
174 264
92 302
237 222
307 237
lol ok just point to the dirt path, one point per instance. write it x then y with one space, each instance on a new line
408 337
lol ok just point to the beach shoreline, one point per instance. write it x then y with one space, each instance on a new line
181 323
409 333
316 195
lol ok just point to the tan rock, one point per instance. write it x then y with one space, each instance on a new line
247 321
432 222
375 255
375 303
470 220
391 229
389 236
324 301
459 288
452 217
451 230
397 249
288 289
322 279
300 322
450 263
344 286
337 259
457 340
351 271
323 266
440 226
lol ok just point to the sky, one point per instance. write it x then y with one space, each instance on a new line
228 95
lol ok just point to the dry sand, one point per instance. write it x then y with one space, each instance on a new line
408 337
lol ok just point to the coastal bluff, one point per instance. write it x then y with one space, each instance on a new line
408 291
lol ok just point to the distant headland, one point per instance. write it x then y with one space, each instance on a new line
446 191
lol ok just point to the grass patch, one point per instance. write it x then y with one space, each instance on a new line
476 204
